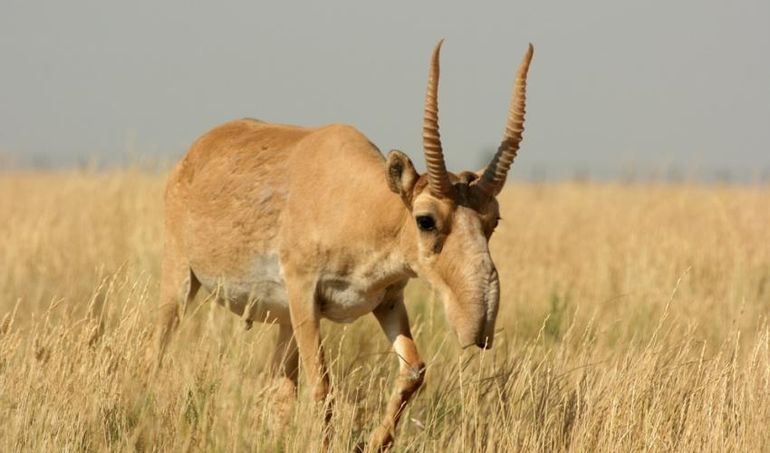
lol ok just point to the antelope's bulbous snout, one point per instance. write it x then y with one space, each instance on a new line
491 302
472 310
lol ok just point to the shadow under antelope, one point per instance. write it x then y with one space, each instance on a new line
291 224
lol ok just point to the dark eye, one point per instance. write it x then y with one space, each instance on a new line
426 223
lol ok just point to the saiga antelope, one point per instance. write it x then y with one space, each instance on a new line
289 225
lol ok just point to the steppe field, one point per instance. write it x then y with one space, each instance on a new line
633 318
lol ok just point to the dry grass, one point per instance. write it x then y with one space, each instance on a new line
632 318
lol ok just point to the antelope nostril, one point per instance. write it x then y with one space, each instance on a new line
484 344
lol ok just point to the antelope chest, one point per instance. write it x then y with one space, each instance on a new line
343 300
260 294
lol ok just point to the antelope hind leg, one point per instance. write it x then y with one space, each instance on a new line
178 287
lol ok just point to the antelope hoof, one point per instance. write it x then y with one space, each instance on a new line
381 440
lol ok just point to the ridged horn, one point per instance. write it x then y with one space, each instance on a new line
438 179
492 180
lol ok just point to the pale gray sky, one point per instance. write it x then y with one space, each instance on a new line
656 84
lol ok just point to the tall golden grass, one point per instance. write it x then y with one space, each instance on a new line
632 318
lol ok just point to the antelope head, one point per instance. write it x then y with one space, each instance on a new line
452 216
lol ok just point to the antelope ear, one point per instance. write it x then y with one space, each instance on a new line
401 175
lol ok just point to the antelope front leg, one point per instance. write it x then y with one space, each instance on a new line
305 320
394 321
285 367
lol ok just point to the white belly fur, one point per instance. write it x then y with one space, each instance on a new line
261 295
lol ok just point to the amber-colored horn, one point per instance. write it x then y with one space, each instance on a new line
492 180
438 178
